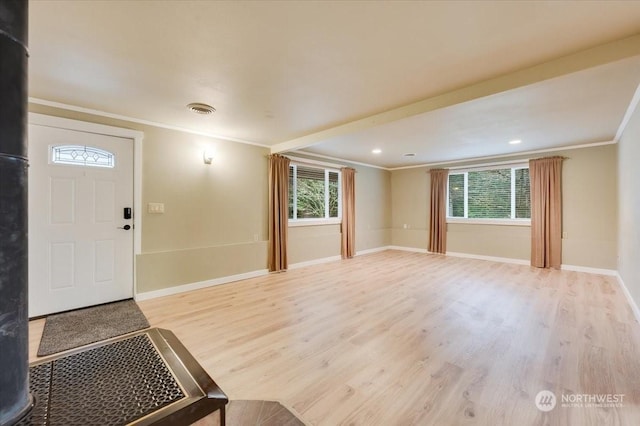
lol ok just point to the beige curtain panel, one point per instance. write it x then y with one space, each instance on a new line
348 246
546 212
278 212
438 210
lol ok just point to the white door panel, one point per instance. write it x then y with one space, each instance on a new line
79 255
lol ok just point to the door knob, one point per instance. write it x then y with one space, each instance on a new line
126 227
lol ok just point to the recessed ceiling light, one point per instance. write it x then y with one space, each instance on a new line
377 151
515 142
409 154
199 108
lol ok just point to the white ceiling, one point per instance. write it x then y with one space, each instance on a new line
279 71
580 108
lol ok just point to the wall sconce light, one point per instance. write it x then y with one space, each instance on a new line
207 156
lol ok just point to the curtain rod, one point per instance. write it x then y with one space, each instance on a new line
496 163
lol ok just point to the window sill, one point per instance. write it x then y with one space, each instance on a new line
507 222
314 222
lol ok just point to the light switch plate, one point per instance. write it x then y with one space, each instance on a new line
155 208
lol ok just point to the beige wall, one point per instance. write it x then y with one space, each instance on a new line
490 240
308 243
410 208
373 220
590 207
214 223
215 220
629 210
589 214
373 208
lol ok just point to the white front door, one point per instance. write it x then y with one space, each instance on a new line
79 252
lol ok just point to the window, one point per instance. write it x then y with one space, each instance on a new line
501 193
314 193
77 155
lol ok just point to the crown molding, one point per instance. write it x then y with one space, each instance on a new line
99 113
344 160
627 115
515 154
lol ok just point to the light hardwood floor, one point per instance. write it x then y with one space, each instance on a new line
398 338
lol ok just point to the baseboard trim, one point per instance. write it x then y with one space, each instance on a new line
334 258
411 249
489 258
239 277
373 250
589 270
198 285
599 271
632 303
314 262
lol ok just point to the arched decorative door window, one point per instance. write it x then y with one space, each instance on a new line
77 155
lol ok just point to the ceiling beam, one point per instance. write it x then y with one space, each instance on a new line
585 59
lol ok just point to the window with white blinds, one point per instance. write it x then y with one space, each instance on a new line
500 193
314 193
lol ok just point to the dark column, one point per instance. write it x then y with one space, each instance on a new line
15 400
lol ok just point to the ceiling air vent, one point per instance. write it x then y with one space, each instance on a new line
409 154
199 108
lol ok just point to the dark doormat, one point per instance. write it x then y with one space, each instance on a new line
72 329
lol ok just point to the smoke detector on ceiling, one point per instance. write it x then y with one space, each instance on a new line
200 108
